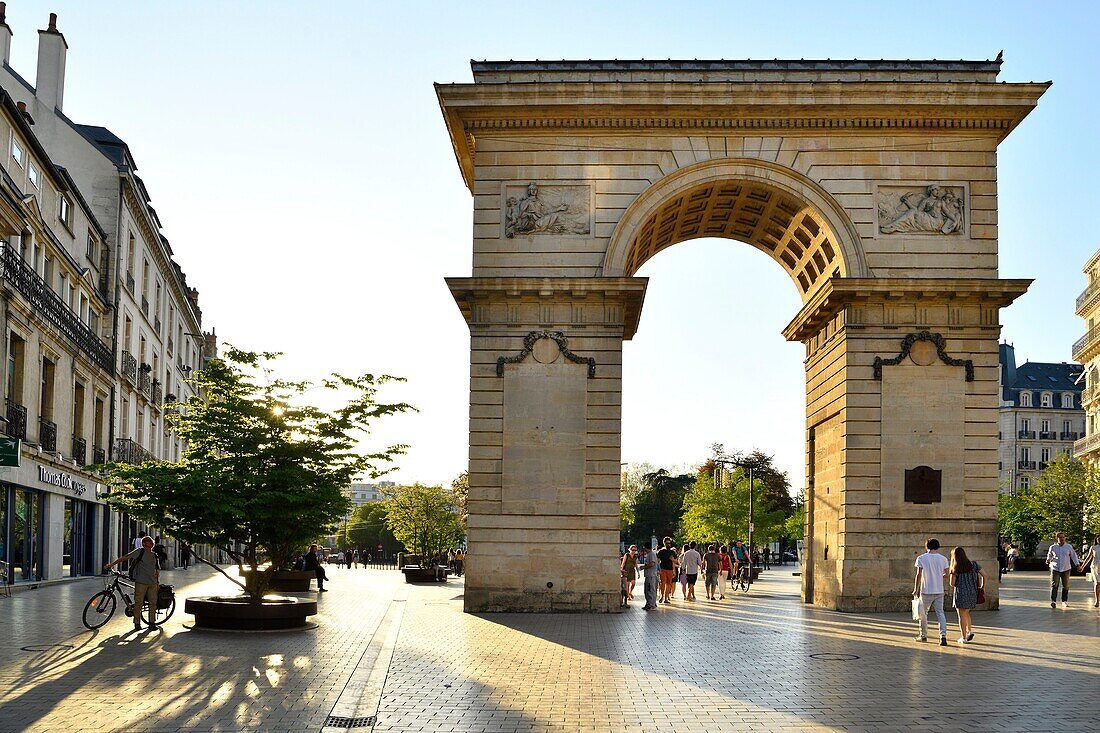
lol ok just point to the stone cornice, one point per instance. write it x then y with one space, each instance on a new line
630 291
838 293
475 109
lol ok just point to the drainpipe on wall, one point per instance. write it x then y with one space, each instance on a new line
114 357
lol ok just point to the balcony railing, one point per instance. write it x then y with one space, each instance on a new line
17 420
99 456
1087 293
1069 436
48 305
1047 435
129 366
145 378
1042 465
1026 465
80 451
1090 338
128 451
1086 444
130 282
47 435
1027 434
145 304
156 396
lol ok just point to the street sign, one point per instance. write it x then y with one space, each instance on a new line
9 451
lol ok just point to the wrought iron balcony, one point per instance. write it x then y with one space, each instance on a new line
130 282
129 366
1091 337
49 306
47 435
145 379
1091 290
157 395
1069 436
1042 465
145 305
1047 435
99 456
1028 434
1026 465
17 420
80 451
1086 444
128 451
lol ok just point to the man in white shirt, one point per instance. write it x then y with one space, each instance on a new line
691 561
1061 558
928 587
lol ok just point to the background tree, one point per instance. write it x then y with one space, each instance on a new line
1060 500
423 518
795 527
1017 521
367 529
658 505
261 474
460 487
721 512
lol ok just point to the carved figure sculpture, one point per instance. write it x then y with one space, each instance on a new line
936 210
533 214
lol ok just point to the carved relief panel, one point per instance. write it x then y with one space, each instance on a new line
532 209
921 209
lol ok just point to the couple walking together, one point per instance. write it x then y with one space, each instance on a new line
966 578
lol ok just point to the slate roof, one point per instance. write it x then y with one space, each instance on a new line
1038 377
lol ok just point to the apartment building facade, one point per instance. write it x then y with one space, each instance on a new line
99 258
1087 351
1040 417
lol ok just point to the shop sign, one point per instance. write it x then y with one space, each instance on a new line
61 480
9 451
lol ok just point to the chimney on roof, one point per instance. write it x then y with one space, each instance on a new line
5 33
49 86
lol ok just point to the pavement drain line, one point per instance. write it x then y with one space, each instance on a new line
357 706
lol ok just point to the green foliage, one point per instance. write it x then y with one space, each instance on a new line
424 518
261 474
795 526
1018 522
460 487
722 512
1064 495
367 529
658 505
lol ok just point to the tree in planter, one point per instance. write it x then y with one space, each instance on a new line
261 476
423 518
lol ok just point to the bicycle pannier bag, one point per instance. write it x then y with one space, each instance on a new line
165 595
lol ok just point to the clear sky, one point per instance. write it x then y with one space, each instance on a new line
296 155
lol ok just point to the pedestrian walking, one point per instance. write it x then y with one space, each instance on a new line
928 588
460 561
969 582
348 558
712 566
629 569
1002 560
1011 557
1093 557
691 561
725 572
185 555
666 558
650 568
145 572
1061 558
312 562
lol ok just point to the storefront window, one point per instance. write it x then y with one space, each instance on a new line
67 541
6 577
26 536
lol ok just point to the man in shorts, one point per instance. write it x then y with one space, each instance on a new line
691 562
666 564
712 564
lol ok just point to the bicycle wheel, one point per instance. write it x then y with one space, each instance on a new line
99 609
158 616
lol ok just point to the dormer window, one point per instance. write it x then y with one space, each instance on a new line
1067 400
65 210
1046 400
1025 399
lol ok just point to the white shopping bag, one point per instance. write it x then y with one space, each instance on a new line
918 609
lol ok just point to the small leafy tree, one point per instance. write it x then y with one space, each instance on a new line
1060 500
261 474
367 529
460 487
1017 521
423 518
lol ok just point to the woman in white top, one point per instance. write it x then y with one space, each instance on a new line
1094 574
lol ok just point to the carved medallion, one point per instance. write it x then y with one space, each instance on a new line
533 209
923 355
923 485
931 209
545 355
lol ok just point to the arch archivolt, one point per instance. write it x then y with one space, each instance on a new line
768 206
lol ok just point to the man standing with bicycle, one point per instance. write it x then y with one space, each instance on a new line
145 572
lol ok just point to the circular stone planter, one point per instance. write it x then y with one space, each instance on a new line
276 613
287 581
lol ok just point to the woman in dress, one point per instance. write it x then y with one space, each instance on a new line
1093 556
629 568
967 578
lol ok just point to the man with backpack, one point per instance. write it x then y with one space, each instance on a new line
145 572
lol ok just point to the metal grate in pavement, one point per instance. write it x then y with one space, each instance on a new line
336 721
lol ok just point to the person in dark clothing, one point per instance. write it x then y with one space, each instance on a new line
185 555
160 552
312 562
348 557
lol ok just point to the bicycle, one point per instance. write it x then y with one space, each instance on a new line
743 579
101 607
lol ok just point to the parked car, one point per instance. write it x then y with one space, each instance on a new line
789 556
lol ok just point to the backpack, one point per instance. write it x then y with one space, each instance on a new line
137 559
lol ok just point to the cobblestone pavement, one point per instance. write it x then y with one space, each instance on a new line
759 662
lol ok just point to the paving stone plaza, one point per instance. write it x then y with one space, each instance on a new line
409 656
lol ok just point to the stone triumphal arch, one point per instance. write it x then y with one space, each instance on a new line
873 184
